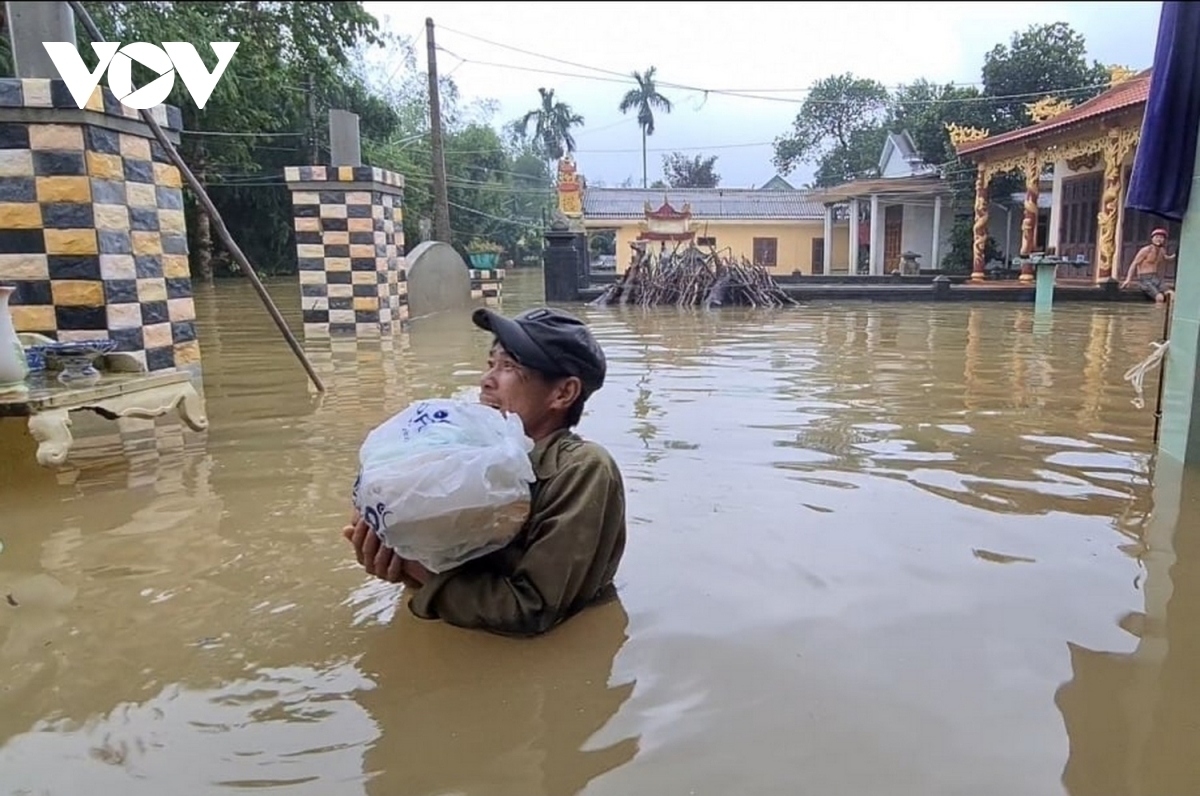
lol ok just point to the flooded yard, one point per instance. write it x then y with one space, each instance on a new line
893 550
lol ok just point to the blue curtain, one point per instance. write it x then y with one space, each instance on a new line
1162 169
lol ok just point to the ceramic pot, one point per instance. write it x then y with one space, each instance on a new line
13 367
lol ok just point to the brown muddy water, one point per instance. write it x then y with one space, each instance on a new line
895 550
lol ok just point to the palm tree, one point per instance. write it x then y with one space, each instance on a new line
552 123
645 98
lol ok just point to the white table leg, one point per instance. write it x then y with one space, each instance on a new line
52 430
191 409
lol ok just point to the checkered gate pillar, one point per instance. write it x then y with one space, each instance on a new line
349 249
92 231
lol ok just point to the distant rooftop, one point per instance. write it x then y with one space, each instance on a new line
777 183
706 203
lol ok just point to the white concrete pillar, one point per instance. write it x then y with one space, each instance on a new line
827 260
934 262
345 145
30 24
853 236
876 268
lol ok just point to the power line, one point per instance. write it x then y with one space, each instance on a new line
225 134
786 100
523 224
627 78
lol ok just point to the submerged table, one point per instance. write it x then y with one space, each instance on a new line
49 404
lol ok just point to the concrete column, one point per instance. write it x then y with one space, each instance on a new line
876 267
345 146
935 252
853 236
827 249
92 230
1179 435
349 224
561 265
31 23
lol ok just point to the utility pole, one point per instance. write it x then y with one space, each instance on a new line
314 142
441 200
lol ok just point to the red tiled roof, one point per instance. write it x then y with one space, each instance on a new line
1131 93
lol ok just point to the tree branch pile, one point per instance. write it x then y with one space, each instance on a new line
689 277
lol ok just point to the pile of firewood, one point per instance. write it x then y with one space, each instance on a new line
693 278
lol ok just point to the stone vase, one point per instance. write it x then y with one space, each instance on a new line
13 366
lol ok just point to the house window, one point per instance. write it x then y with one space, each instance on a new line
706 242
818 255
766 252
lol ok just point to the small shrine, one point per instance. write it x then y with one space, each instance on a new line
570 189
667 224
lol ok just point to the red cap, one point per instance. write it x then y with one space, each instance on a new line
1159 231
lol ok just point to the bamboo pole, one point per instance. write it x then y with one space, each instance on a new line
222 231
1168 308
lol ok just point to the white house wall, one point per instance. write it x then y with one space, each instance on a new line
916 233
1002 224
897 165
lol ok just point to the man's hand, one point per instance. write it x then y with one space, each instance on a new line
380 561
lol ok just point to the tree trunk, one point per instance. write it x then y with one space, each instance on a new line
644 183
203 226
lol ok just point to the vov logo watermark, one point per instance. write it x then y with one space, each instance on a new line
165 61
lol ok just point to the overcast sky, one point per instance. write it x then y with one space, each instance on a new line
771 49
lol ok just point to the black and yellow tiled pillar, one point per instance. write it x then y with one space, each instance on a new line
487 284
349 223
92 230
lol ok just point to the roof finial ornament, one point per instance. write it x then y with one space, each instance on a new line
962 134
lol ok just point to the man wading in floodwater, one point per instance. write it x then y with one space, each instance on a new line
543 366
1149 267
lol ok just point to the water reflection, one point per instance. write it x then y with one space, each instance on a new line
868 546
477 716
1131 714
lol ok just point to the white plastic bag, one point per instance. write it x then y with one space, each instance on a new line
445 481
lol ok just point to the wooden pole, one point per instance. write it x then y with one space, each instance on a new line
202 196
441 199
1168 306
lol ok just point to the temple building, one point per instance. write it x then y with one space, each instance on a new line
1088 151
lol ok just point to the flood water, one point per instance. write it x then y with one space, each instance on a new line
904 550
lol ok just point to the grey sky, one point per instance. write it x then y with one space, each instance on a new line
760 47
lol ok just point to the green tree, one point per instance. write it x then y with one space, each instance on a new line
1043 60
691 172
839 128
645 99
552 123
924 108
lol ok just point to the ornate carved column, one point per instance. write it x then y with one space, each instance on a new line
1033 177
980 228
1117 145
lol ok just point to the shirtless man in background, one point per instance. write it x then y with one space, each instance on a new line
1149 266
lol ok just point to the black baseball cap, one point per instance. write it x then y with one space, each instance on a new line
550 341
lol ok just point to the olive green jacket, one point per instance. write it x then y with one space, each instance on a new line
564 557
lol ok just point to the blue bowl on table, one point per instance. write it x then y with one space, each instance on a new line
76 359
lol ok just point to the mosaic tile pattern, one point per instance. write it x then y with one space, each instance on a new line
487 284
349 249
38 92
92 230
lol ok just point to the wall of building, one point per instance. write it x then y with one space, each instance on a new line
794 245
916 235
